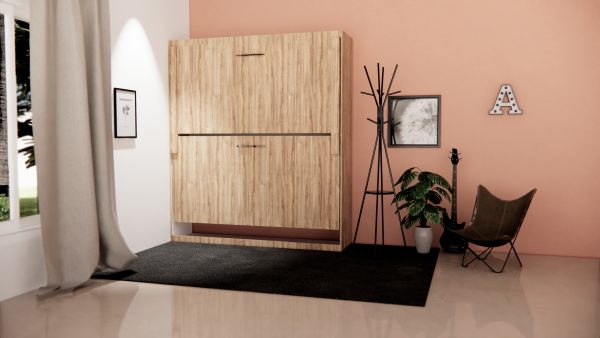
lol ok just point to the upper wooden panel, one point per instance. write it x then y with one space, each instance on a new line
202 87
285 83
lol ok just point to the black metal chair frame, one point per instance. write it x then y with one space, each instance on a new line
485 253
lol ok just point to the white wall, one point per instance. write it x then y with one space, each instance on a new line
21 262
21 253
140 32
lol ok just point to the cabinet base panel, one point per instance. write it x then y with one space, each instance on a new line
263 232
284 243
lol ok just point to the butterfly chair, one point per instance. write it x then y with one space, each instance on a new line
495 222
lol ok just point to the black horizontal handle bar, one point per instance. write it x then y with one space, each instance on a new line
379 192
251 54
254 134
250 145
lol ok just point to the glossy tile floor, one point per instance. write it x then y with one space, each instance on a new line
550 297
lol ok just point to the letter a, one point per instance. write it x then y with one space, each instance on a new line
506 91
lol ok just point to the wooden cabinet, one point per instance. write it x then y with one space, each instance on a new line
257 84
274 181
260 132
295 183
202 93
214 181
279 74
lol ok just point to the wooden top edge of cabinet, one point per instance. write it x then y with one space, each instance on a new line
339 32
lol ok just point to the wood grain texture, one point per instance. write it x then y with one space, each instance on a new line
274 84
177 183
294 187
292 88
345 190
173 112
205 82
215 180
256 242
284 181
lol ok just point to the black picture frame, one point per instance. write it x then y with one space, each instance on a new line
120 130
399 105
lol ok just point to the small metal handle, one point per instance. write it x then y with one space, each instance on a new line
251 54
250 145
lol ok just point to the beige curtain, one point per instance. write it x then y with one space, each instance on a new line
71 98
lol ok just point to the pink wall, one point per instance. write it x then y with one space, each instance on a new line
548 50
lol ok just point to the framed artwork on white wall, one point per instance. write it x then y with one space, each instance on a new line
125 114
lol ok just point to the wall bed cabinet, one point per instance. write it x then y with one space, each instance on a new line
260 139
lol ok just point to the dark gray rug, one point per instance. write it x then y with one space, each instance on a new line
397 275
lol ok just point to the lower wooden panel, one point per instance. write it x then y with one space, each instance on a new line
274 181
293 183
213 180
256 242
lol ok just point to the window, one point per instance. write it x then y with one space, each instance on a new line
18 178
28 202
4 165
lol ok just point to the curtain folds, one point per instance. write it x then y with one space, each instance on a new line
71 101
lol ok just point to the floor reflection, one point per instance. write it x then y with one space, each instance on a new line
88 309
550 297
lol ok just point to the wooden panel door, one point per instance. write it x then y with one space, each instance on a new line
295 183
276 181
203 85
214 180
256 84
287 83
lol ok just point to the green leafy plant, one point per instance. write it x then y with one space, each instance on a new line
422 199
4 207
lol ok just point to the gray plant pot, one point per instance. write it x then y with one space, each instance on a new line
423 239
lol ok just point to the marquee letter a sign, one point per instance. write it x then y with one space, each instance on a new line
506 98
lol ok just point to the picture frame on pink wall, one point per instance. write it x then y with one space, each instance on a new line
414 121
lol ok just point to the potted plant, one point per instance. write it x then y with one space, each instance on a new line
421 200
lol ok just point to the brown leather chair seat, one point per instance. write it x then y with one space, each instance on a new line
495 222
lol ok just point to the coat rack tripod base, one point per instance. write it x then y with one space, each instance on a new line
380 148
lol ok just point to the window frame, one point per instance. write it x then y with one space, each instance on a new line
13 10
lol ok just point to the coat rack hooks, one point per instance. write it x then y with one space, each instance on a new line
380 148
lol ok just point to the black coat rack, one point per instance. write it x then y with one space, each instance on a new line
380 148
